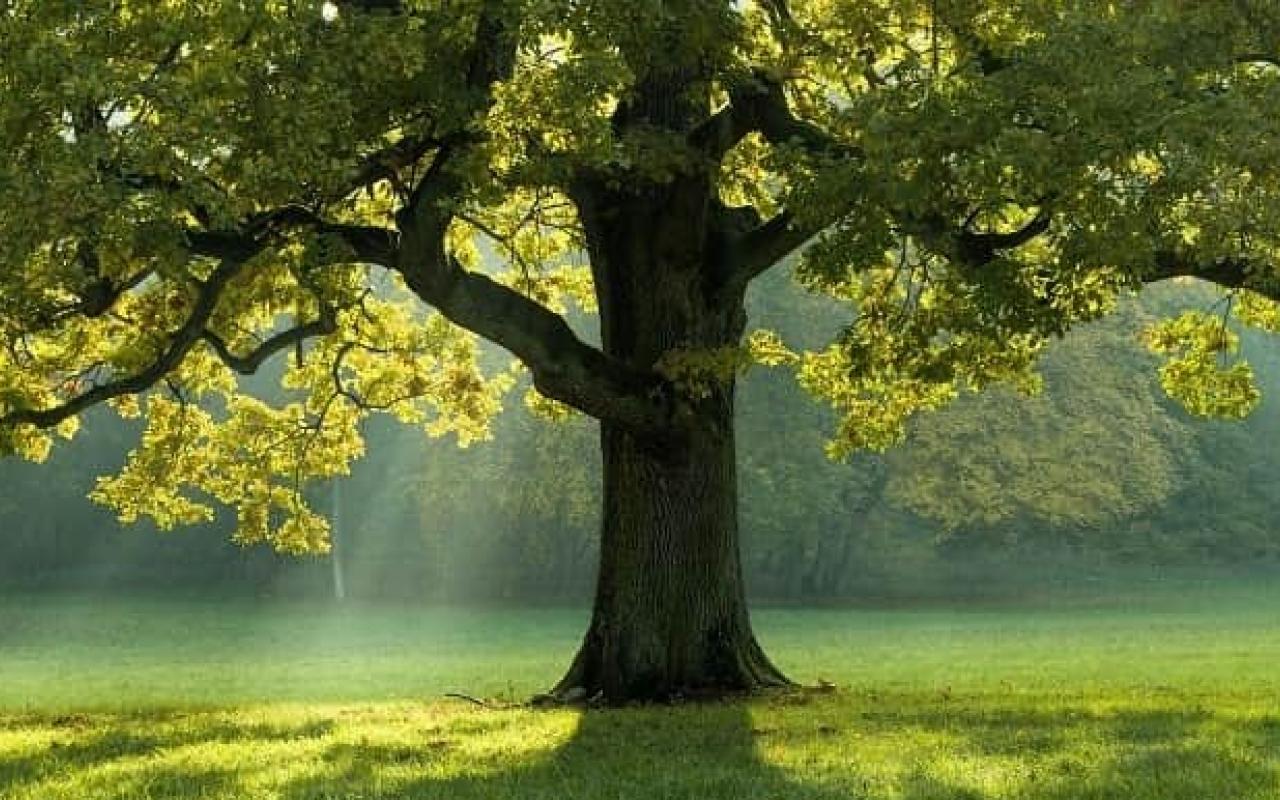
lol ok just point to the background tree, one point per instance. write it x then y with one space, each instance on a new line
1096 446
975 178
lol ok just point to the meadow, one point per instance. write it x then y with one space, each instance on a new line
1170 695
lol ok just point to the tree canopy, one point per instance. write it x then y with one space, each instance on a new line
195 188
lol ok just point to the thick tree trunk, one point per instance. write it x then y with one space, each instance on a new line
670 618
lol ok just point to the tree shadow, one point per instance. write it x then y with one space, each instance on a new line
1076 752
1167 773
993 730
717 751
1264 733
79 744
798 747
1171 772
655 753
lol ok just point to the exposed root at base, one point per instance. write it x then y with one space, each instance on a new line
576 696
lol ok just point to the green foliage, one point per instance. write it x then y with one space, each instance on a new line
1095 447
168 111
1196 375
188 183
1112 117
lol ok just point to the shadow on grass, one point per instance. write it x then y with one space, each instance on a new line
904 748
718 752
703 752
80 744
1265 734
1029 732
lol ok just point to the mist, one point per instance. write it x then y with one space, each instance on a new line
1101 483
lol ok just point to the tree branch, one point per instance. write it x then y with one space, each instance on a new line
988 61
179 346
369 244
759 105
1270 59
756 251
250 362
387 6
387 163
99 296
1229 273
235 250
973 249
562 365
978 249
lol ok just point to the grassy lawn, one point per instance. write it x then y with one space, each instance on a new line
1175 696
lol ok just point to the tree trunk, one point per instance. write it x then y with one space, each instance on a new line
670 618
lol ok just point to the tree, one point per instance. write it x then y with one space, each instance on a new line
193 189
1096 446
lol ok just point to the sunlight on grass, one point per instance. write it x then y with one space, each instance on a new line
138 700
1115 745
798 747
290 751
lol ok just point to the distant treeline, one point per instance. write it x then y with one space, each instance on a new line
1099 474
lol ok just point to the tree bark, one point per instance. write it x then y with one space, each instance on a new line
670 619
670 616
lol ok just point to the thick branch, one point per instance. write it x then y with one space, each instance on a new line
387 163
179 345
759 105
971 249
978 249
562 365
756 251
98 297
1229 273
236 249
984 56
720 133
1269 59
369 244
224 245
388 6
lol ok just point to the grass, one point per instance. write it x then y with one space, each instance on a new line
1171 696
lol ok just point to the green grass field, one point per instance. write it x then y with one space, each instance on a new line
1166 696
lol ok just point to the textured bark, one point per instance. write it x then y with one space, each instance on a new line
670 617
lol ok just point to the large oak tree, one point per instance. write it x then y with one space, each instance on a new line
192 188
